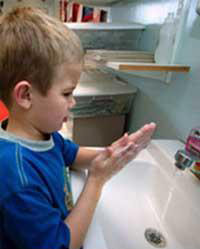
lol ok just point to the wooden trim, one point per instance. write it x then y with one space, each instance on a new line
154 68
148 67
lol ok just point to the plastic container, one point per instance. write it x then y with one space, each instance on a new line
198 7
193 147
163 53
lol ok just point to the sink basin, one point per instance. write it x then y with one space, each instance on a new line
147 193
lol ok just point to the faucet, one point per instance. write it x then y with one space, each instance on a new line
184 159
190 156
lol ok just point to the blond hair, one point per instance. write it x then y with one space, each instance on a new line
31 45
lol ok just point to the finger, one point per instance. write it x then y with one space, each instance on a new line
113 161
143 133
149 128
148 131
136 136
103 155
121 141
127 155
132 154
141 138
120 151
144 141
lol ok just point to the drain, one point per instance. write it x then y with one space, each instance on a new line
155 238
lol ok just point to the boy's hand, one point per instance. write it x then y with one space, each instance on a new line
140 138
115 157
110 161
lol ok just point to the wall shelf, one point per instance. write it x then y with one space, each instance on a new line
149 70
104 26
138 63
130 66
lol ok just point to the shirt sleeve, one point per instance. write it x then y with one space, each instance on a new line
70 151
32 223
69 148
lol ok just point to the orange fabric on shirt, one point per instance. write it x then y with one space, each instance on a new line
3 111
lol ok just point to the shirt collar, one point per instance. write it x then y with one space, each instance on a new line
30 144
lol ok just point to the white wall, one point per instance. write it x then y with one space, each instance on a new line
151 13
175 107
144 11
47 6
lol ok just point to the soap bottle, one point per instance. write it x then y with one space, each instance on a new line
163 52
193 147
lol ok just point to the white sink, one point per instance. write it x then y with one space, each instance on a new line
146 194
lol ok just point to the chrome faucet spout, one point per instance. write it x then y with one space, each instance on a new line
184 160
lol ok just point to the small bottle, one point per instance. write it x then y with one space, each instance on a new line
193 148
198 7
163 53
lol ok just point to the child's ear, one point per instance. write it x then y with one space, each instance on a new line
22 94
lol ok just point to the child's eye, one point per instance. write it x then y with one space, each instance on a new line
67 94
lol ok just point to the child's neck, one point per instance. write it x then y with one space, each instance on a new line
25 130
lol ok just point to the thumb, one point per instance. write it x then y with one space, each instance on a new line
104 154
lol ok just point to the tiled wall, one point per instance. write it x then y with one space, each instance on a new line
116 39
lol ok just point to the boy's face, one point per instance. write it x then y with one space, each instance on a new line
50 111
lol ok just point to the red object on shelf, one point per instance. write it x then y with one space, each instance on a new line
75 12
3 112
65 10
87 14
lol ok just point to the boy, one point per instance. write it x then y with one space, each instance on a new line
40 65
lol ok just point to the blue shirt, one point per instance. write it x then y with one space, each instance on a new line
32 197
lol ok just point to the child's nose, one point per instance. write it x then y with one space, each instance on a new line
72 102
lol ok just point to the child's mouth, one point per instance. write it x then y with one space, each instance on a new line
65 119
